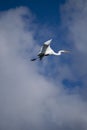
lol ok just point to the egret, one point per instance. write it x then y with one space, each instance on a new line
46 50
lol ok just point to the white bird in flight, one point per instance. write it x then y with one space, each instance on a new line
46 50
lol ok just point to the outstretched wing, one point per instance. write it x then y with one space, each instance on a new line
45 46
48 42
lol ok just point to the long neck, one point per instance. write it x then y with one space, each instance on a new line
57 54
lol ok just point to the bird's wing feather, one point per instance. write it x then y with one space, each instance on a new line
49 50
43 49
48 42
45 46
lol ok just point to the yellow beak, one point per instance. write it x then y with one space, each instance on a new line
67 51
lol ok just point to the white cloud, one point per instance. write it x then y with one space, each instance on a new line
75 20
27 99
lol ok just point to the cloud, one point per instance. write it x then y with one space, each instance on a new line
28 100
75 21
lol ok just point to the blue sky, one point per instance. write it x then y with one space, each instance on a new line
44 11
50 94
47 16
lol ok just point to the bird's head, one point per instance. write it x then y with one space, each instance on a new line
63 51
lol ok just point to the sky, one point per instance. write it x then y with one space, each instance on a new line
48 94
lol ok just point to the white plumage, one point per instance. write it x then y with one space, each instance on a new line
46 50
